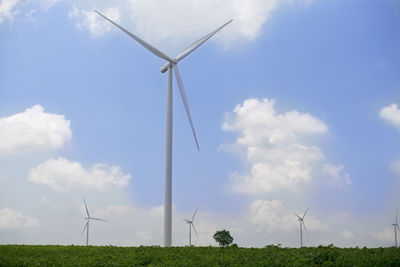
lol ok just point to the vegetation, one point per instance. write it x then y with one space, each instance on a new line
23 255
223 238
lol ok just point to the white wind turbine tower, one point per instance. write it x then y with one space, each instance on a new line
171 65
395 226
191 224
301 220
87 223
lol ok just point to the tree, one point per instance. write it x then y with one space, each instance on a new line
223 237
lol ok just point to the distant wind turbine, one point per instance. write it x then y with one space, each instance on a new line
301 220
171 65
395 226
191 224
87 223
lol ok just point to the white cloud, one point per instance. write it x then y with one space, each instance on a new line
62 174
391 113
7 9
180 22
170 23
395 166
265 222
273 216
33 129
144 226
384 236
3 176
347 235
271 145
14 220
112 210
46 4
338 176
93 22
165 21
140 226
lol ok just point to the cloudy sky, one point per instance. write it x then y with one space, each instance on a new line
296 105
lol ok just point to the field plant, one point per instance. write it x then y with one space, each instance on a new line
27 255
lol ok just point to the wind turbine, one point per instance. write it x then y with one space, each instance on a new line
190 223
395 226
171 65
88 218
301 220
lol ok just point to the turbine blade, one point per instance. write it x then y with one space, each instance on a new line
195 230
194 214
305 227
87 212
97 219
305 213
199 42
185 101
146 45
396 216
84 228
297 216
397 226
187 221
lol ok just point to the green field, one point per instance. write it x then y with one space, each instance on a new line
27 255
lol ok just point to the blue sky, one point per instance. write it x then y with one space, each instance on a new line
295 104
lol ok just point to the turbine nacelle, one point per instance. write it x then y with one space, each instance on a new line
298 217
165 67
